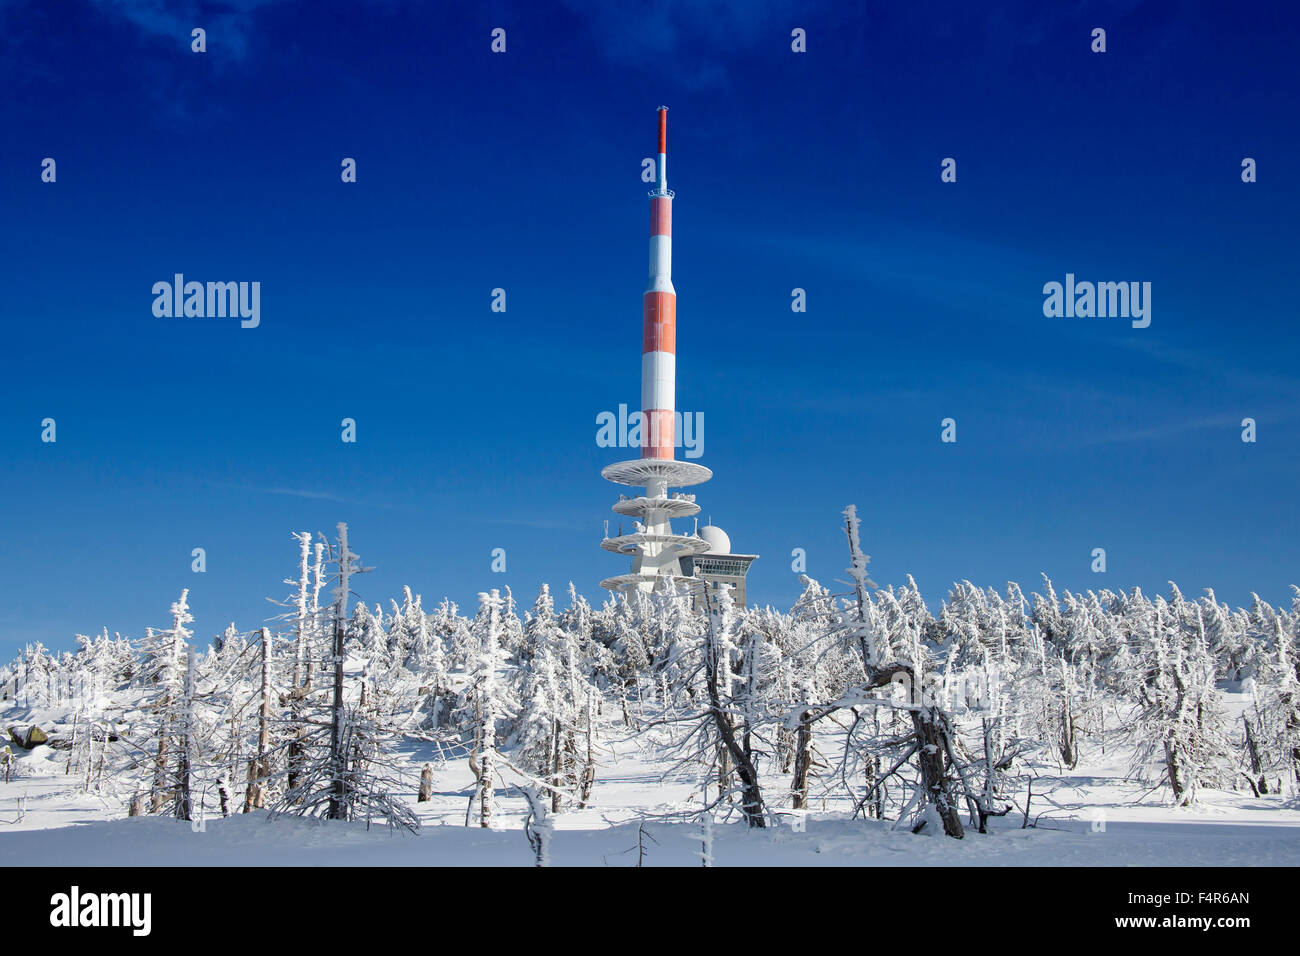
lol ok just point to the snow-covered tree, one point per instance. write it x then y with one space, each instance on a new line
485 702
1181 718
348 773
163 673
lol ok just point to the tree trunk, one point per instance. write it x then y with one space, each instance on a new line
158 799
252 792
338 802
589 768
73 748
1178 782
1069 751
486 741
426 784
259 767
785 749
557 777
1069 755
485 794
802 762
184 798
184 803
751 798
1252 751
724 771
874 806
927 724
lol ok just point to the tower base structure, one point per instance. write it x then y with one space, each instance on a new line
656 550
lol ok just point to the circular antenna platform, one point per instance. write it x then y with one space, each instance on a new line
668 507
642 542
626 582
642 472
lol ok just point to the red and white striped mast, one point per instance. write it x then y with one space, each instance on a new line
659 316
654 548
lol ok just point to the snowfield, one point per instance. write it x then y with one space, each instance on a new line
829 840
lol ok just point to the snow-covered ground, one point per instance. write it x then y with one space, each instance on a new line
252 840
1095 817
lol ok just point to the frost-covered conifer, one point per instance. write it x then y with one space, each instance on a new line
163 672
485 702
348 773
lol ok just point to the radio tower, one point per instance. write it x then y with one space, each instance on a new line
655 550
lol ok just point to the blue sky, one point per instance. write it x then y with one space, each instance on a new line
476 430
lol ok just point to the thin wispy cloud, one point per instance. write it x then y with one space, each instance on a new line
308 494
1161 430
1209 364
702 36
542 524
229 20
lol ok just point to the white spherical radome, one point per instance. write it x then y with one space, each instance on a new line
717 539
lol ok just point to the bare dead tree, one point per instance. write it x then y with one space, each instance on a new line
338 742
928 744
259 768
736 736
186 758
